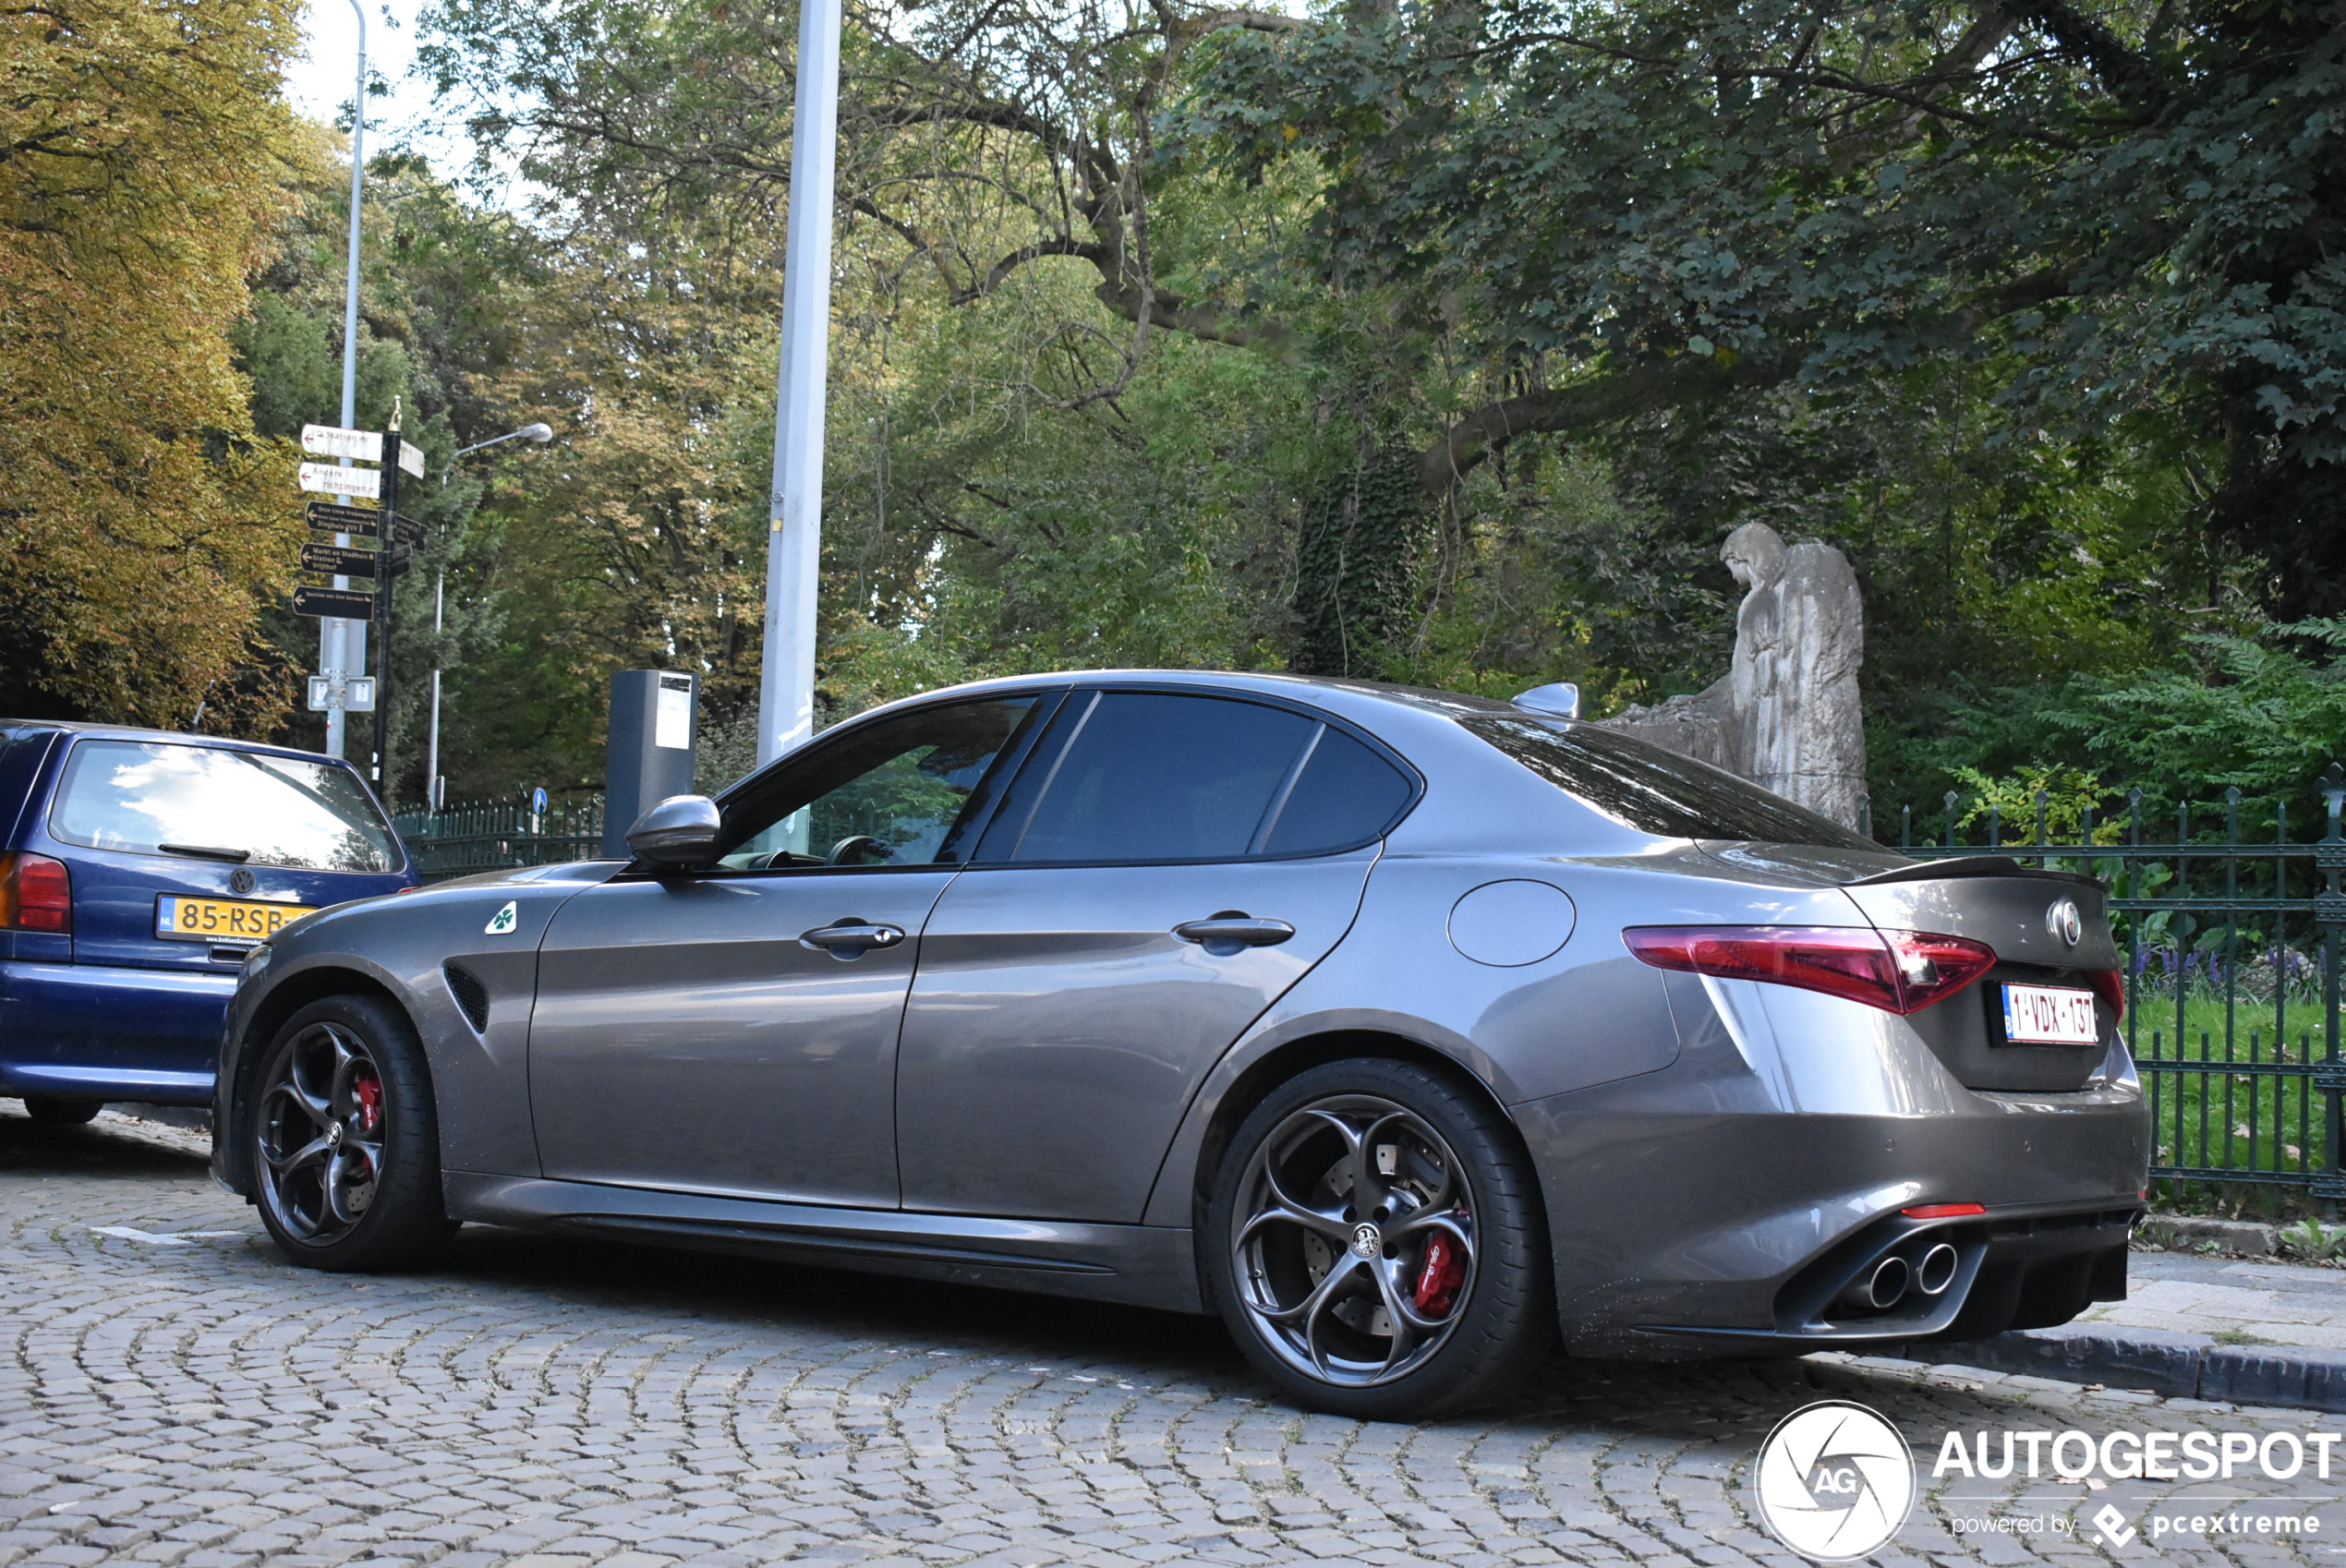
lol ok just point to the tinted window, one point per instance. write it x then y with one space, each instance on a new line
149 797
1655 791
1347 796
903 784
1155 778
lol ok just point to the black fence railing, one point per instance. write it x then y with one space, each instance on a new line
489 836
2232 943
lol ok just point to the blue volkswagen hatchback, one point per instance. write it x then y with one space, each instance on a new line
137 870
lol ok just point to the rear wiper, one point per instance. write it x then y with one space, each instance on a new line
206 852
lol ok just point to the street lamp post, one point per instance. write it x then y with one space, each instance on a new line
794 516
539 434
337 656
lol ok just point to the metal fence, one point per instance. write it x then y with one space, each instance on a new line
2232 977
2232 943
489 836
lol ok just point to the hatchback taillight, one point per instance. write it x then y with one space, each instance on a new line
36 894
1900 972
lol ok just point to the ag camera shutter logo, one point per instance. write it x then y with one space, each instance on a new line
1834 1482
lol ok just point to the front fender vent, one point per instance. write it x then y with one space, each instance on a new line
470 994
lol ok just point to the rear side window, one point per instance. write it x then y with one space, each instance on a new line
1655 791
1345 795
1143 776
148 798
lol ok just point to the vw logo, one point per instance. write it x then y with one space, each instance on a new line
1834 1482
1367 1240
2063 920
240 880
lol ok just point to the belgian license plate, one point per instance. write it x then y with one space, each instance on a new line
2050 1015
182 919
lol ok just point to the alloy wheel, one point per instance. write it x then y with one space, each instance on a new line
321 1134
1356 1251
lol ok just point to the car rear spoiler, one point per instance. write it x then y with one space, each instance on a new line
1960 867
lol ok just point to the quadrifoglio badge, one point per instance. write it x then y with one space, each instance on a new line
1834 1482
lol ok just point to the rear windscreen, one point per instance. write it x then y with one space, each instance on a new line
1655 791
156 797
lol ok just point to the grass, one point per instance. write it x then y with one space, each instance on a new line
2232 1120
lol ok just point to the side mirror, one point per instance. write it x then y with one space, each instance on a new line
680 832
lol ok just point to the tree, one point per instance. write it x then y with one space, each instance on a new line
1678 202
142 156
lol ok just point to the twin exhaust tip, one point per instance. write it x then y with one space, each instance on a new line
1884 1285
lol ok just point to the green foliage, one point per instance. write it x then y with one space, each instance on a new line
2310 1241
2262 715
1355 558
2038 804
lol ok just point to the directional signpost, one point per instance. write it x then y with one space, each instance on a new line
338 691
331 440
328 518
338 559
342 604
328 479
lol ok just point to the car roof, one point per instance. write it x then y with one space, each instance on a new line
90 727
1276 683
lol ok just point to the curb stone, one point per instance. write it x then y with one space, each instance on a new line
2192 1366
2183 1232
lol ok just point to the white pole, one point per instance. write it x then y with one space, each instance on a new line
794 539
337 653
431 759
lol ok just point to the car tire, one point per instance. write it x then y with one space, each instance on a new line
61 1113
345 1141
1400 1333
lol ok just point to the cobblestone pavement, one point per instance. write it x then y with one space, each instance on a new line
171 1390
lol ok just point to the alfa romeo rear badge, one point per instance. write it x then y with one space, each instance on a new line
2063 920
1834 1482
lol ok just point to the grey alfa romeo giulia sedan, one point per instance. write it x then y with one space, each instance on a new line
1408 1032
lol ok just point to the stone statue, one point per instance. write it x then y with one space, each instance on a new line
1785 716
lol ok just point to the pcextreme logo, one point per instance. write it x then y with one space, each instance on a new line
1834 1482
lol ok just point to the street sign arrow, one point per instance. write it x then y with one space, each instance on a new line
333 441
328 518
338 561
407 531
411 459
328 479
334 604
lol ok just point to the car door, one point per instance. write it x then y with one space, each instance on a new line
734 1031
1166 864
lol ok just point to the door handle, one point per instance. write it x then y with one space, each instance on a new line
1233 929
852 938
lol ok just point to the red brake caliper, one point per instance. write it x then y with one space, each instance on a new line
370 1089
1439 1278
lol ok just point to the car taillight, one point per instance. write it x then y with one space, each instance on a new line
1900 972
2109 985
36 894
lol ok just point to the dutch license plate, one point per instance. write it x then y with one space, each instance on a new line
182 919
2050 1015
